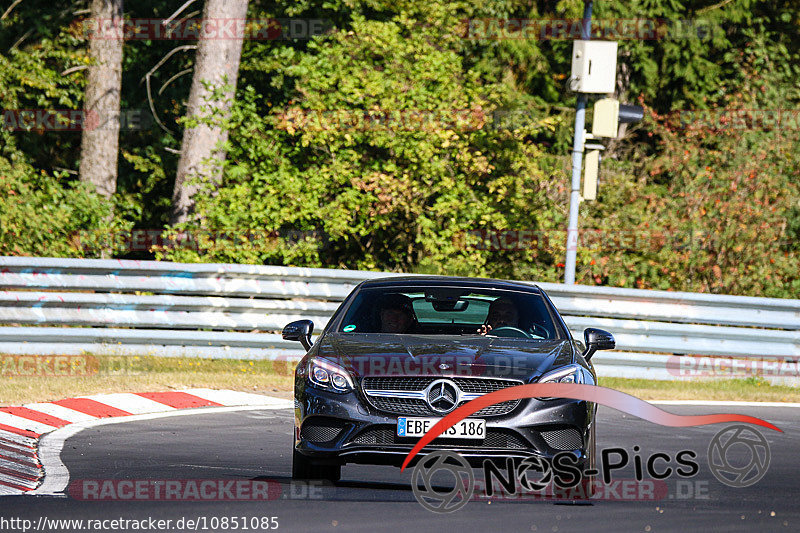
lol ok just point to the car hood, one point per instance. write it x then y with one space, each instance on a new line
474 355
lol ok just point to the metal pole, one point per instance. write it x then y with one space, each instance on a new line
577 163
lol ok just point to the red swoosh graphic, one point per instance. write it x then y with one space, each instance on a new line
590 393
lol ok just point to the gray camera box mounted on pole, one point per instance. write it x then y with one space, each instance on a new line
594 66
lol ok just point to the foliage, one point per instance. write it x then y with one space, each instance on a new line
43 210
45 216
305 187
717 202
390 165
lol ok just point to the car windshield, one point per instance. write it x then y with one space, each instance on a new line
450 310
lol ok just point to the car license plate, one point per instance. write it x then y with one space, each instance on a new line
470 428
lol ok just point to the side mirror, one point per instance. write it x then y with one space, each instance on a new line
597 339
299 330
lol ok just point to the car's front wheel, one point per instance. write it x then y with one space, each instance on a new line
304 468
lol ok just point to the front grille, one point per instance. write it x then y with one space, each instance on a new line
321 430
419 407
563 439
466 384
497 409
403 406
388 436
406 406
484 386
396 383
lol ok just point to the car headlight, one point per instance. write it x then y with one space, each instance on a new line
566 374
329 376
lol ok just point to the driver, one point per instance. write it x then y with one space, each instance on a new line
396 314
502 313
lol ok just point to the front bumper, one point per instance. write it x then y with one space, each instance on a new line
344 428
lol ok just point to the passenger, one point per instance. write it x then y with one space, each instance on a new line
396 314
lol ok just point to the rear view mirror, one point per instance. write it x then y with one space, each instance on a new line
448 305
299 330
597 339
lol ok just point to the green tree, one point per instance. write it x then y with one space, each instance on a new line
388 147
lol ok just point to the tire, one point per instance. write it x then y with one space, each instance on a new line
305 469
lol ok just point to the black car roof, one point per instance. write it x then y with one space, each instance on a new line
432 281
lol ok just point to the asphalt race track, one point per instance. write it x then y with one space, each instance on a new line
256 445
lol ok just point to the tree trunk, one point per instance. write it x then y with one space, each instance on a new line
100 137
217 64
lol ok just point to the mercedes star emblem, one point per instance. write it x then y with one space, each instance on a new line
442 395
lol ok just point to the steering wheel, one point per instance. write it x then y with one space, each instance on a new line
540 331
514 332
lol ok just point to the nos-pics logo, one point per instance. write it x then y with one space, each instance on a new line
738 456
450 470
443 481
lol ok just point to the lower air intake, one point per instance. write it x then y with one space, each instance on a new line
321 430
563 439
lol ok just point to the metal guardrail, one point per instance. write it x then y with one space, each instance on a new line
240 308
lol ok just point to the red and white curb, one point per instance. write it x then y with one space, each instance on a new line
24 461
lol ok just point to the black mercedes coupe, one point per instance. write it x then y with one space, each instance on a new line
400 353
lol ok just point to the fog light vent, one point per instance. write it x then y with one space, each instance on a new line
321 430
563 439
